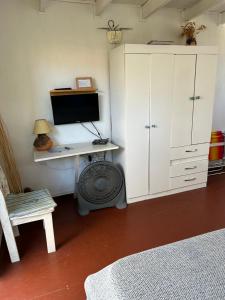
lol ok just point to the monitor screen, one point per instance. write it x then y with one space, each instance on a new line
76 108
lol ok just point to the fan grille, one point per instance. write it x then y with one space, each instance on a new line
100 182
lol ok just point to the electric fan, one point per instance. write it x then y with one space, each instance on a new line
101 184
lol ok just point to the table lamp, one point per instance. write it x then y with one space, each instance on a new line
42 142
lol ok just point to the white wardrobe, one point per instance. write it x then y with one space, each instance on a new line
161 105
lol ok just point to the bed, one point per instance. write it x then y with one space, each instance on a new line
189 269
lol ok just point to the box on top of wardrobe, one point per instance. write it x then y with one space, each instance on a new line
173 49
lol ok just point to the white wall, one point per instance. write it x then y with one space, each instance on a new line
215 34
219 108
40 52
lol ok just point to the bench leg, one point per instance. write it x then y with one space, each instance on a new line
11 242
49 232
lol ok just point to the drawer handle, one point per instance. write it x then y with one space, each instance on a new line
191 168
190 151
191 179
195 98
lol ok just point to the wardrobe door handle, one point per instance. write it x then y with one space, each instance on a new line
154 126
191 168
191 179
195 98
147 126
190 151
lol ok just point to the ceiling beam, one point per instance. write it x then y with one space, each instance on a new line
222 18
200 8
101 5
152 6
43 5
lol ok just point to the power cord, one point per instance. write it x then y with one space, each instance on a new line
96 130
98 135
89 130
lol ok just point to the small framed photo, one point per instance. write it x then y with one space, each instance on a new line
84 83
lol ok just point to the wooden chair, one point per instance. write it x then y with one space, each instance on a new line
16 209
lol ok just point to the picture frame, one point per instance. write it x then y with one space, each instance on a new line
84 83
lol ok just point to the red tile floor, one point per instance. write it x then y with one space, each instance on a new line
87 244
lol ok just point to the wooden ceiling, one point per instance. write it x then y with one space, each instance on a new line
191 8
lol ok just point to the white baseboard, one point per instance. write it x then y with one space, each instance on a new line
167 193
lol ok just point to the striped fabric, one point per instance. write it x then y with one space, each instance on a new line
20 205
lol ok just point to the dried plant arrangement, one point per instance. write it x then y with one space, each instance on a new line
191 30
7 160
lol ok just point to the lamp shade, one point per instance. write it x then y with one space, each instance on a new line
41 126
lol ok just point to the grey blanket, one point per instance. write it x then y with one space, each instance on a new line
189 269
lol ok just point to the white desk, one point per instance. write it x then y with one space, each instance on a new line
74 150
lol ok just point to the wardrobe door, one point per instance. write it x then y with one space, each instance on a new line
137 118
161 83
184 80
204 98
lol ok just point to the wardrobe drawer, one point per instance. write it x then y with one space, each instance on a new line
189 151
182 181
190 167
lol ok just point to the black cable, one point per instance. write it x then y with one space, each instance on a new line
89 130
96 130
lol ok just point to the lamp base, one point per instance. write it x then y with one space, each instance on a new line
43 142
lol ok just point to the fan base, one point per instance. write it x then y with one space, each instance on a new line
85 207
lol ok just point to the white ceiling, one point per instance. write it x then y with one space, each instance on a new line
135 2
191 8
219 8
179 4
182 4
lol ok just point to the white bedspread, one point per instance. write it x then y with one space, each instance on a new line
190 269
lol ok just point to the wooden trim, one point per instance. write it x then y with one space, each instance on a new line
72 92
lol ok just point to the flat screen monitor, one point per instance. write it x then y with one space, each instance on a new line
76 108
